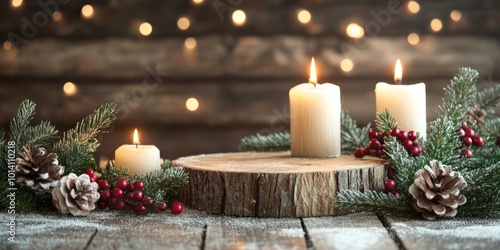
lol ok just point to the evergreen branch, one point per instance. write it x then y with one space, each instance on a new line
112 173
460 96
385 122
163 184
274 142
20 122
490 127
443 143
375 202
77 144
41 135
489 98
352 136
404 165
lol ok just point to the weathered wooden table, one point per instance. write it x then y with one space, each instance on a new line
197 230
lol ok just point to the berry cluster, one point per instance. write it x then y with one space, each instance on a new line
375 147
128 195
468 138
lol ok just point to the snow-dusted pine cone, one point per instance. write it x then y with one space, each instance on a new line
37 169
75 195
436 191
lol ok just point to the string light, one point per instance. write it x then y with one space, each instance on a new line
145 29
190 43
197 1
239 17
57 16
346 65
413 7
7 45
436 25
413 38
354 30
16 3
304 16
192 104
87 11
183 23
456 15
69 88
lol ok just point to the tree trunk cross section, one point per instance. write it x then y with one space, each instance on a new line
274 184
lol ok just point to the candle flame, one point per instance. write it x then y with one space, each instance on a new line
136 138
312 74
398 73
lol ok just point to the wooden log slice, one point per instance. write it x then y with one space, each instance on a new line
274 184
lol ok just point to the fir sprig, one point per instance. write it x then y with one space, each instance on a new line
77 145
489 99
374 202
273 142
385 122
352 136
163 184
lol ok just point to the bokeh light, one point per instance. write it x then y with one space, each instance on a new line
456 15
69 88
145 29
239 17
190 43
16 3
7 45
304 16
436 25
413 38
354 30
57 16
192 104
413 7
346 65
183 23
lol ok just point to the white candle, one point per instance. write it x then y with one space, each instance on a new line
139 159
315 119
406 102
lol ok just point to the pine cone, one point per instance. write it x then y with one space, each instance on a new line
436 191
37 169
75 195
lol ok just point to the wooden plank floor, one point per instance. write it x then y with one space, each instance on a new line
197 230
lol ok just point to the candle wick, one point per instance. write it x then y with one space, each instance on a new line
137 144
398 82
313 82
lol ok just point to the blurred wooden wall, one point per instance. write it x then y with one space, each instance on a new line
239 75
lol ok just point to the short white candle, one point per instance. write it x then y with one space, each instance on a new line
315 119
139 159
405 102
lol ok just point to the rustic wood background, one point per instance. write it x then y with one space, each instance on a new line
240 75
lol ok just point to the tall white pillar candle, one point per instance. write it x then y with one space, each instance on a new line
407 103
139 159
315 119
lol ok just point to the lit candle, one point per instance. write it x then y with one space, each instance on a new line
315 118
406 102
139 159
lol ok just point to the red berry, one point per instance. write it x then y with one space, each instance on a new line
102 204
379 153
466 153
395 132
478 141
176 207
372 134
469 132
140 208
381 137
117 192
390 184
148 201
137 195
403 135
461 132
120 204
163 207
358 153
92 178
112 202
464 125
374 144
105 195
467 141
416 150
129 196
130 187
498 140
367 151
412 135
89 171
408 144
121 183
139 185
395 193
103 184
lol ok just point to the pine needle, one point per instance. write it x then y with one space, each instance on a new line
352 136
